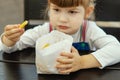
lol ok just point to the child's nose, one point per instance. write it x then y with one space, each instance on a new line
63 17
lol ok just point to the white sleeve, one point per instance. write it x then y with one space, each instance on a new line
28 39
108 47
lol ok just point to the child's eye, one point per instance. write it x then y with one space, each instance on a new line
73 12
56 10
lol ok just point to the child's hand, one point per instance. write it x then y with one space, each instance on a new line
12 34
69 62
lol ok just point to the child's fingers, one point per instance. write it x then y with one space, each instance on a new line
63 66
13 32
65 71
14 36
15 39
9 27
63 60
68 55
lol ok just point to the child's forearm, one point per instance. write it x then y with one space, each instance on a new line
7 42
89 61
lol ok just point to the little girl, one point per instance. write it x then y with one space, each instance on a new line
70 17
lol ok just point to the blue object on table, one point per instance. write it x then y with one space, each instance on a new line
81 46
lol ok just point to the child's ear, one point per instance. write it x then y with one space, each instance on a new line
89 10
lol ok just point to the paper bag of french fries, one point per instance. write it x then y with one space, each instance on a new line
48 48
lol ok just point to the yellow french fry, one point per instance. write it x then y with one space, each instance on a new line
23 24
46 45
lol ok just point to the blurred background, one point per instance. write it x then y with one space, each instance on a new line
11 12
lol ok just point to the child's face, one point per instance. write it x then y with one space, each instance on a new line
67 20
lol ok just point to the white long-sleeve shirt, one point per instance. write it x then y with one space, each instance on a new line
107 47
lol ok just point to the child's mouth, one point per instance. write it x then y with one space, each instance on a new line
63 27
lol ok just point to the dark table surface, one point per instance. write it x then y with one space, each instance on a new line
20 65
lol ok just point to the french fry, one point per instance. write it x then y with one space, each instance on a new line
23 24
46 45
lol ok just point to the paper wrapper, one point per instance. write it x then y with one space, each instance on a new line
48 48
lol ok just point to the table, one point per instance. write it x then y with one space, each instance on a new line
20 66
